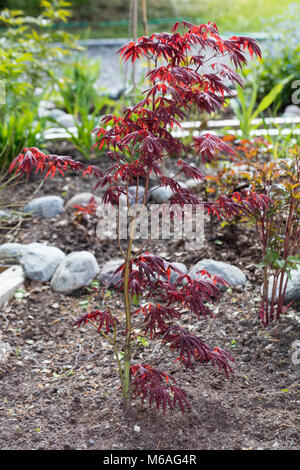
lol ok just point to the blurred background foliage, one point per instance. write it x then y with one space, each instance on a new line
238 15
50 81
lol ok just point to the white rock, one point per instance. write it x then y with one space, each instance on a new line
40 261
291 110
77 270
162 194
194 185
5 350
174 275
81 199
292 293
10 280
107 276
11 253
232 274
66 120
45 108
45 206
132 196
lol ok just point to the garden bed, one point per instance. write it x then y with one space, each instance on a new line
60 389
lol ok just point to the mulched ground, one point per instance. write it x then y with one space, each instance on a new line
59 389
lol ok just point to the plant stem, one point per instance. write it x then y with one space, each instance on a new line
127 303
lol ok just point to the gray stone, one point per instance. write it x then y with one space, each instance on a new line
81 199
40 261
132 196
232 274
5 350
246 357
77 270
11 253
56 113
45 206
107 276
174 275
45 108
194 185
66 120
291 111
162 194
10 280
292 293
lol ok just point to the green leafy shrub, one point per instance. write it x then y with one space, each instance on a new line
249 105
78 95
30 57
281 57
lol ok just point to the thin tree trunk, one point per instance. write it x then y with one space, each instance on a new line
145 25
134 37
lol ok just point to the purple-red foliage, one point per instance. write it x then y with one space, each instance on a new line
190 74
158 387
100 318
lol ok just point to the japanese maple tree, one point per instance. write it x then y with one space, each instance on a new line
190 67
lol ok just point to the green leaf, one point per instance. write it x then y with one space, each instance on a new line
270 97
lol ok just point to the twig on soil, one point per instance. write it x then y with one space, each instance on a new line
77 356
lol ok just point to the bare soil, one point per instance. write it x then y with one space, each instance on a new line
60 389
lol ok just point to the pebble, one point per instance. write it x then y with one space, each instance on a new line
246 357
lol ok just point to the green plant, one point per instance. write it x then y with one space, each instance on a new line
281 57
19 129
279 229
246 107
78 95
29 56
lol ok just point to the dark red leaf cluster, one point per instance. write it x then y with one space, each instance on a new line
192 349
156 317
100 318
238 203
208 145
33 158
88 209
190 171
159 387
194 293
